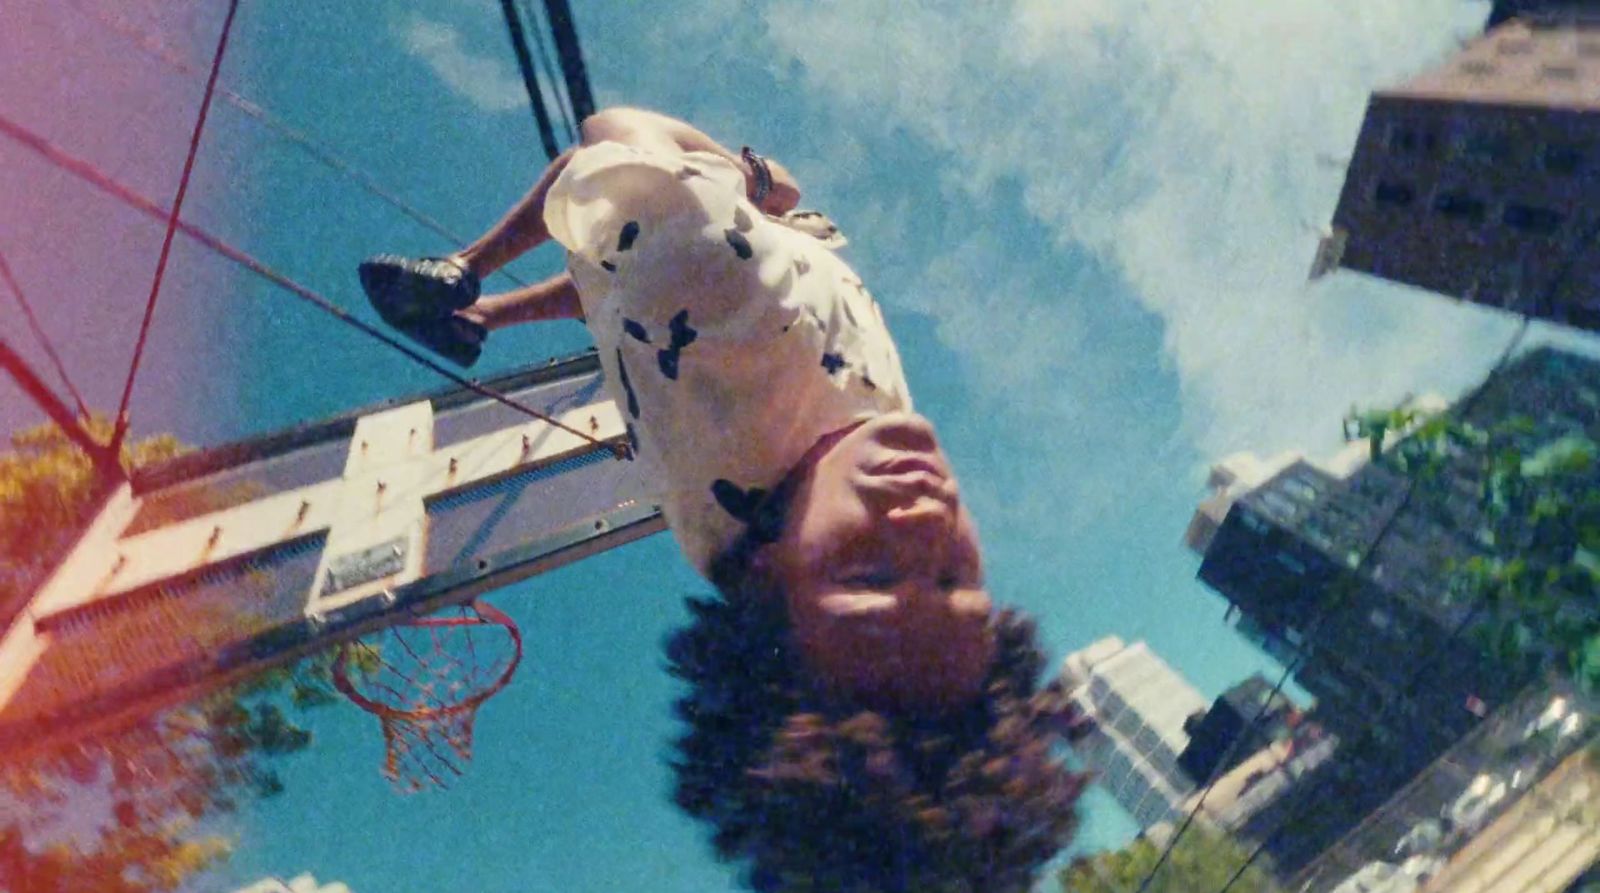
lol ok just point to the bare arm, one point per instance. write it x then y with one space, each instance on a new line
554 298
651 130
658 132
521 230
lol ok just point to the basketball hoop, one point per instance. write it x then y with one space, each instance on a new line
424 680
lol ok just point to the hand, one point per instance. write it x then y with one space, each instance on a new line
785 194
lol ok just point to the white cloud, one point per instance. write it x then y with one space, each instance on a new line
488 82
1178 144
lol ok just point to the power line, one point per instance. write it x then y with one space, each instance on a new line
39 333
1583 237
1323 613
1305 796
530 80
87 172
310 145
543 52
1462 408
571 55
172 228
1547 298
1266 703
104 460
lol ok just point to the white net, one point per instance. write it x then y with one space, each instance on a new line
425 681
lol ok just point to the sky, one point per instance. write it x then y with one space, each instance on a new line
1089 223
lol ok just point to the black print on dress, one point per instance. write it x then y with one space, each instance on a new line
866 379
681 336
689 171
622 373
630 231
739 503
833 362
849 315
741 245
636 330
609 266
816 317
633 441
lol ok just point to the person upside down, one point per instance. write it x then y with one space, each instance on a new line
762 390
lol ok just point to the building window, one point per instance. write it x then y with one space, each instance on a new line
1278 505
1405 140
1299 488
1559 73
1319 536
1561 159
1295 565
1460 205
1381 619
1395 195
1485 148
1532 219
1477 67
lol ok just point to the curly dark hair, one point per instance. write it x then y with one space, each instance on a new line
814 794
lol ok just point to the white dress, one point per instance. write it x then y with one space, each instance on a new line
730 341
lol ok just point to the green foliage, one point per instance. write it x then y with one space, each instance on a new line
46 484
1536 519
1203 860
165 772
162 865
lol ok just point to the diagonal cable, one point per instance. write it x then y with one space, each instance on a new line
172 227
1323 613
530 80
547 68
277 125
1546 300
44 339
1422 667
565 34
105 462
92 175
1305 797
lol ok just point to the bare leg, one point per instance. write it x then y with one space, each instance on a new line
519 231
554 298
523 228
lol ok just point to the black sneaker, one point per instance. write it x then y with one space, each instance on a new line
412 290
456 338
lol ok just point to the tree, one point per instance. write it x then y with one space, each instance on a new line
166 772
1204 860
1535 517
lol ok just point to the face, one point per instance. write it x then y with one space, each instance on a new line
880 563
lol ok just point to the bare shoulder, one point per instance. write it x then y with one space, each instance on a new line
633 127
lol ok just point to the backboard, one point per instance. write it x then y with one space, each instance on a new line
229 561
304 883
